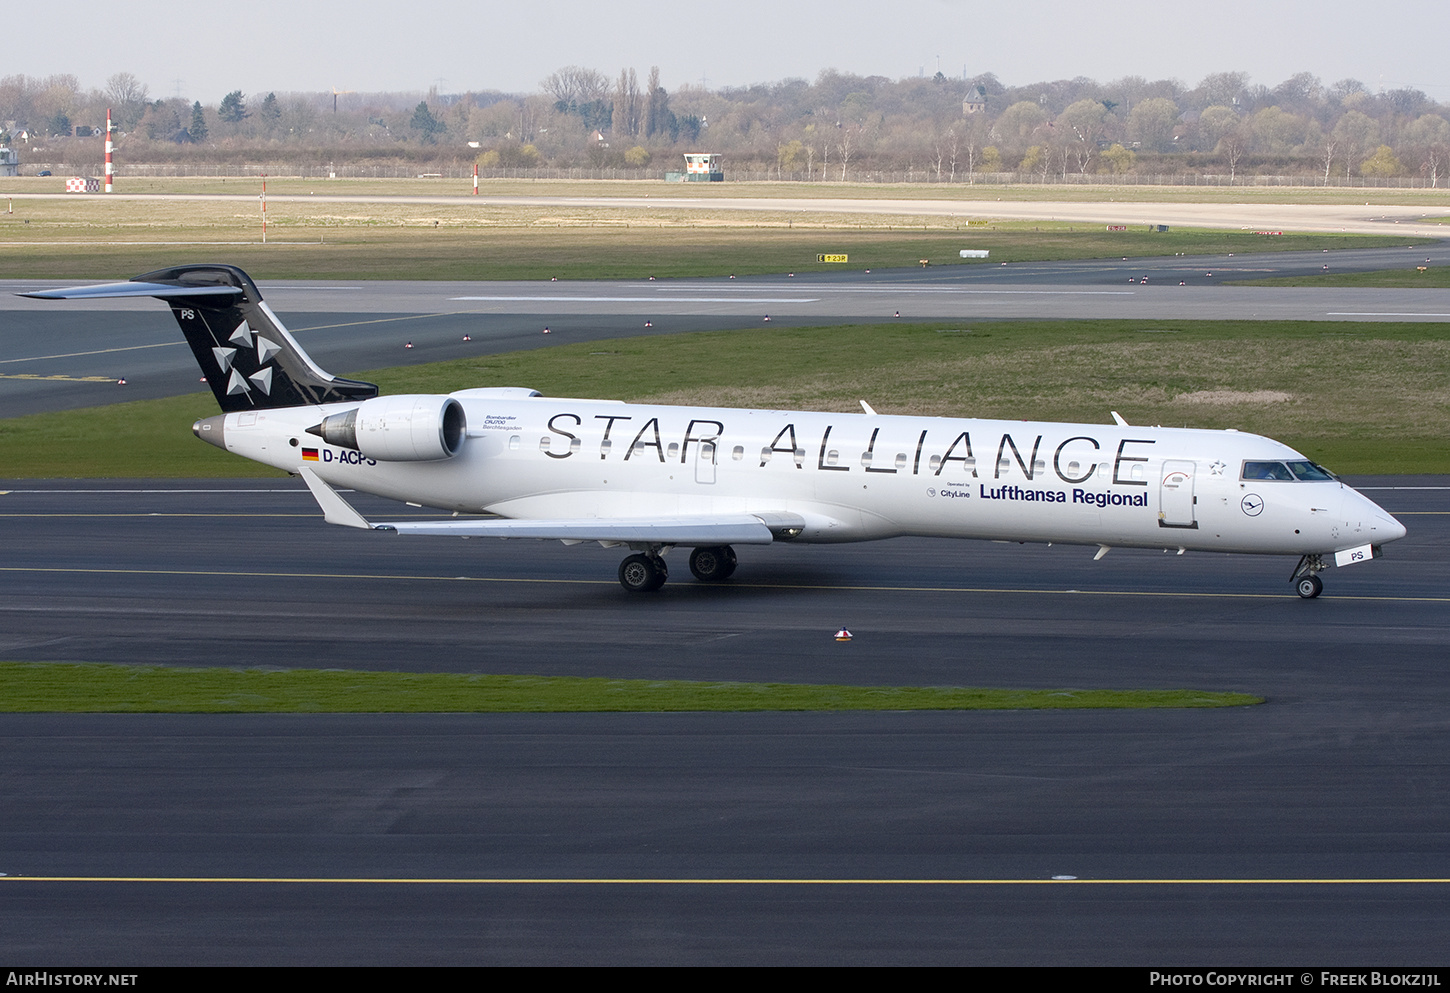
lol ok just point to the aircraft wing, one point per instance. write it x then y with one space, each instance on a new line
722 529
725 530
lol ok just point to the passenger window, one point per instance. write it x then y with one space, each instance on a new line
514 441
738 452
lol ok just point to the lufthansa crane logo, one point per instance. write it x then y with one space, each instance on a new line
1253 505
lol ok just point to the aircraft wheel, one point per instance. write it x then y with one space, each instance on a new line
1309 587
712 564
642 573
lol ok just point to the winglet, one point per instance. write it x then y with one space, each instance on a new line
1118 419
867 407
335 509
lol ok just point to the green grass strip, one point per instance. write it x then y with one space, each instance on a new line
1425 278
66 687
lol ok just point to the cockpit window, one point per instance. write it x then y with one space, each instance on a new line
1311 472
1288 472
1267 470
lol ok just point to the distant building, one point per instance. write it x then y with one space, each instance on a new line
975 101
700 167
9 161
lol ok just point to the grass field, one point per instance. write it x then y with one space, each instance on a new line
1360 398
99 688
1029 192
1432 278
97 238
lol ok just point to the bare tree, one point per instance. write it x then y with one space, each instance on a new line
1430 137
124 88
127 95
627 109
1232 146
1356 133
578 90
564 85
1083 121
1329 145
652 103
1434 159
592 85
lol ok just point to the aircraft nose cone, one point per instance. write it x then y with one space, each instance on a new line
1382 527
1388 529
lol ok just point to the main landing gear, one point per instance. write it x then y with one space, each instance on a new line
646 572
710 565
643 573
1306 577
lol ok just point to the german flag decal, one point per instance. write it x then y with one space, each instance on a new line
309 455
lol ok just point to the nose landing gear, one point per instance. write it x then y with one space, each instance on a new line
1306 577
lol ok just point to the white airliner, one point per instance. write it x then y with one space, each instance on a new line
651 478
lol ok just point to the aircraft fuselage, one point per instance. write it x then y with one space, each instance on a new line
850 477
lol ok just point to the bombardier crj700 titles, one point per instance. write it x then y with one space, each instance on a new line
654 477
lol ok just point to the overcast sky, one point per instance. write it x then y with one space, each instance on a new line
204 50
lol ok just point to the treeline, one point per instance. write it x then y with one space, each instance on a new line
841 126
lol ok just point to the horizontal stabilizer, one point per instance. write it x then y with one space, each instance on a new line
134 289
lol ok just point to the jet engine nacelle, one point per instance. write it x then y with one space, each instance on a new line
408 428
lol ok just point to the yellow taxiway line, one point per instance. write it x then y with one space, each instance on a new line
729 881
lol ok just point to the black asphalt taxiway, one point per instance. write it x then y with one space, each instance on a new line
1311 828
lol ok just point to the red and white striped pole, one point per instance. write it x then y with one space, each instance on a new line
110 170
475 179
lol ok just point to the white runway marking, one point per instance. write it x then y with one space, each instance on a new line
928 289
98 351
561 299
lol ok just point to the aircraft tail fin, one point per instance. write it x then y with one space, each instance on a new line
248 357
